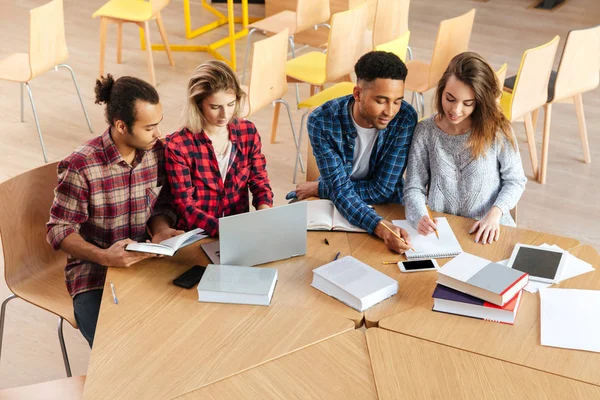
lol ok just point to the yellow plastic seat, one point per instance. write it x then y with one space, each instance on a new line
138 12
333 92
309 68
397 46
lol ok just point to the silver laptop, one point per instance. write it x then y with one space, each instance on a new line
263 236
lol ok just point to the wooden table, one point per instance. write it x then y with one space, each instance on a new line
518 343
410 368
337 368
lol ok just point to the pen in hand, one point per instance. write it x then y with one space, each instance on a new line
395 234
112 289
431 217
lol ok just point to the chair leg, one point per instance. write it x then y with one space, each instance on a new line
293 47
163 35
275 122
545 142
144 25
78 94
37 122
287 107
63 348
534 118
422 96
410 55
531 143
2 317
22 104
298 150
103 24
312 90
578 99
119 43
250 32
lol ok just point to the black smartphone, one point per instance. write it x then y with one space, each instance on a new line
190 277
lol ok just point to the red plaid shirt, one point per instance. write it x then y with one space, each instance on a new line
200 196
105 199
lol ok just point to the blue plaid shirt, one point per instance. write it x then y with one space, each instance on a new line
332 136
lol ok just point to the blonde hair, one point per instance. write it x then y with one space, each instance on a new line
209 78
488 121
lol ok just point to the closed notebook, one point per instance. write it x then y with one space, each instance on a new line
482 278
430 246
452 301
240 285
354 283
323 216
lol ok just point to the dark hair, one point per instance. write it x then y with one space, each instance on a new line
488 121
121 95
380 64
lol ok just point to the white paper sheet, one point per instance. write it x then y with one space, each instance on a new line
568 318
573 267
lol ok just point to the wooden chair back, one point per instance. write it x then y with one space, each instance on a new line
345 43
158 5
501 75
391 21
579 64
32 269
453 38
47 43
531 85
397 46
267 76
310 13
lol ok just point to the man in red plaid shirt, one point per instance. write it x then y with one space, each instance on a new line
111 191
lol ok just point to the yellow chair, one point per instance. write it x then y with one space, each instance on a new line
34 272
47 50
530 91
397 46
453 38
387 20
137 12
267 80
577 73
308 14
60 389
344 49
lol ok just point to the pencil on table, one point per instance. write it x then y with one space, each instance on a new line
395 234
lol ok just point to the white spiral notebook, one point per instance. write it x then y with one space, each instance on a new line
430 246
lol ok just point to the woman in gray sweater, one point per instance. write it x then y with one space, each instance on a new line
464 160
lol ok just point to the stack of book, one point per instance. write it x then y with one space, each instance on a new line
475 287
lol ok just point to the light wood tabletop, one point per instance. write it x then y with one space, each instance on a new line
417 287
336 368
160 342
410 368
518 343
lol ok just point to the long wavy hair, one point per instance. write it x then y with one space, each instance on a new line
210 77
488 123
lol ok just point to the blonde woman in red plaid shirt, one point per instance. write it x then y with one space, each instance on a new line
216 158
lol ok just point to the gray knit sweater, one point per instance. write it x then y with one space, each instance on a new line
457 183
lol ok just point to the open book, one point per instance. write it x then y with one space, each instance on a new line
430 246
170 246
323 216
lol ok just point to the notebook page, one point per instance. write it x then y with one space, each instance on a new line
340 223
319 215
430 246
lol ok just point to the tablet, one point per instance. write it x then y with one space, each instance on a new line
542 264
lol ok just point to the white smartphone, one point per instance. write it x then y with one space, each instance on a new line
418 265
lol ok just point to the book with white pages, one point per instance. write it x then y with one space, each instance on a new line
323 216
237 285
169 246
354 283
430 246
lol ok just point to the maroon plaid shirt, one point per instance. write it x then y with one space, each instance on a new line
105 199
200 196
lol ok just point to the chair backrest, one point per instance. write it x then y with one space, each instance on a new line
310 13
531 85
25 203
579 64
345 43
453 38
397 46
267 76
47 43
391 21
501 75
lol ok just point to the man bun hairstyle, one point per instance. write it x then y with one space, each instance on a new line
120 97
380 65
